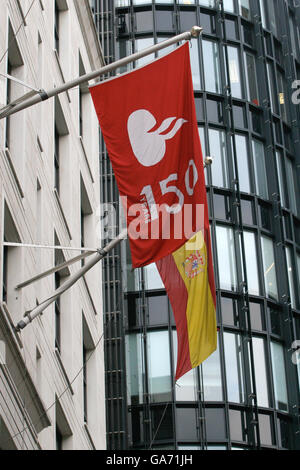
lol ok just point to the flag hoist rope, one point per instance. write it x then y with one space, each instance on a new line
45 95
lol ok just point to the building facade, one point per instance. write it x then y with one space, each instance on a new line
245 68
52 372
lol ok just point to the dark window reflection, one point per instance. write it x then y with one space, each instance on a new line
158 310
163 427
208 23
239 116
199 109
215 424
188 19
237 425
164 20
257 317
214 111
221 207
229 311
247 212
266 429
275 320
144 21
186 429
231 29
265 216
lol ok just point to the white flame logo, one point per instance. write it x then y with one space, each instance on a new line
150 147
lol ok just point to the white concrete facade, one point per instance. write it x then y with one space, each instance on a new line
48 398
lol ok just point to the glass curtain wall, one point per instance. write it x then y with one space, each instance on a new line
245 118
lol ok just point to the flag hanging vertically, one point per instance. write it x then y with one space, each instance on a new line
189 281
148 121
149 125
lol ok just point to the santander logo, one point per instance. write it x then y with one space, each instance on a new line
150 147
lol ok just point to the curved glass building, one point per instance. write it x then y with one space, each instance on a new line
245 69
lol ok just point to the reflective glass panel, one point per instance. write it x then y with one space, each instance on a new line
152 277
242 163
212 381
291 185
135 364
260 371
251 263
219 168
251 80
281 179
260 169
234 367
234 71
194 57
290 271
226 258
159 365
279 377
269 268
211 66
245 9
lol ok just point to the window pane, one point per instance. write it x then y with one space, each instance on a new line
211 371
185 388
290 270
234 367
260 372
134 359
244 9
208 3
219 168
291 185
269 268
279 377
282 94
215 424
281 178
152 277
226 258
228 5
242 163
186 429
211 66
252 91
266 429
194 56
159 366
260 169
237 425
251 263
234 72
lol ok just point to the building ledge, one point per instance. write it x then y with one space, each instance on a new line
17 376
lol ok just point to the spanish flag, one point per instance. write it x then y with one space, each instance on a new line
189 281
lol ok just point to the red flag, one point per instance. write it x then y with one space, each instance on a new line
149 125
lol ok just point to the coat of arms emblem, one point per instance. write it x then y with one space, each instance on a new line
194 264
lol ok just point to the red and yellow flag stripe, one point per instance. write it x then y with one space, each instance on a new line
188 277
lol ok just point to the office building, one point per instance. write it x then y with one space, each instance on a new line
246 395
52 372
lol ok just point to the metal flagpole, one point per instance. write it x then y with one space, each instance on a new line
45 95
29 316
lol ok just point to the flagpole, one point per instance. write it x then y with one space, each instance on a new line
45 95
29 316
